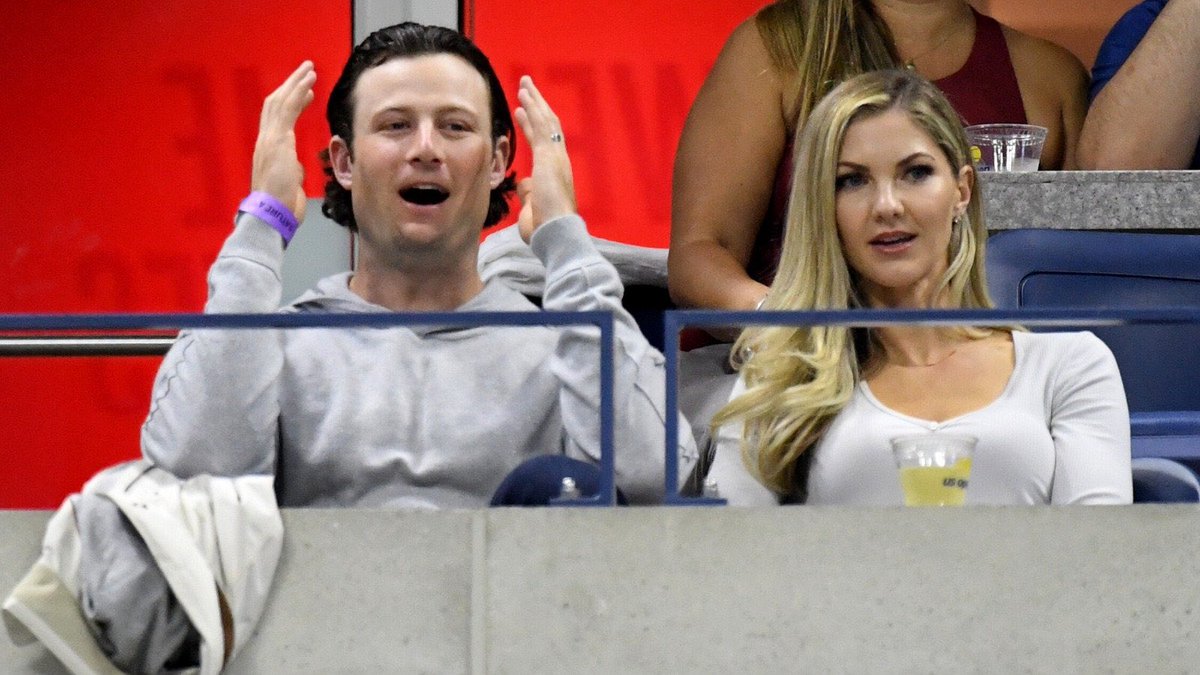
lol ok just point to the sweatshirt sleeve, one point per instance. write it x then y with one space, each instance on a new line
214 407
578 278
1089 423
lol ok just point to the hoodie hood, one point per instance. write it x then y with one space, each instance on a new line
332 295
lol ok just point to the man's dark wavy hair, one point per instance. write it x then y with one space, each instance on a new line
409 40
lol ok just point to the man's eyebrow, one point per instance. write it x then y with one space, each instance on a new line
440 110
457 109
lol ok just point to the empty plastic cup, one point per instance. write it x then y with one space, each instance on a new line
1006 147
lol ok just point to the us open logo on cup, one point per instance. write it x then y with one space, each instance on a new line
934 468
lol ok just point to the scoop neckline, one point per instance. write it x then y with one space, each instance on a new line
1018 349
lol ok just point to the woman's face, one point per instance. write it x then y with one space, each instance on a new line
896 195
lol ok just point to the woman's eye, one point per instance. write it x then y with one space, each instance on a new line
919 171
848 180
396 125
459 127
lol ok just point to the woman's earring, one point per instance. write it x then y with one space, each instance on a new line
956 220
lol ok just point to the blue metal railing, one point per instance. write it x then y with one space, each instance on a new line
673 323
92 323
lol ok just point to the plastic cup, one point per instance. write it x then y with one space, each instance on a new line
934 468
1006 148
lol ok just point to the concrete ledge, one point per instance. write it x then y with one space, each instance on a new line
717 589
1093 200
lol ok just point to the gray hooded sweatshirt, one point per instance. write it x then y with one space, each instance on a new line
425 417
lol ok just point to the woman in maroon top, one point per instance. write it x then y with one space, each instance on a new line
733 167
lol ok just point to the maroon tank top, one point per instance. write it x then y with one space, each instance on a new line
983 91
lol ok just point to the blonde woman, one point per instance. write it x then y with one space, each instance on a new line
732 169
885 213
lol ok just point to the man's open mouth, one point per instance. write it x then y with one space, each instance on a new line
424 195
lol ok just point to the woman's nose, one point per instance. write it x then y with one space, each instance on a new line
887 201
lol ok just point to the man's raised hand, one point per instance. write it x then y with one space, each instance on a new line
277 170
550 191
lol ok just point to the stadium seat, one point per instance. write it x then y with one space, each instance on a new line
1160 364
1163 481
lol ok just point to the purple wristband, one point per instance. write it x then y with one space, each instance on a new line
272 212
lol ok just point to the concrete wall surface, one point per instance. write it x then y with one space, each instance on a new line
1092 200
801 589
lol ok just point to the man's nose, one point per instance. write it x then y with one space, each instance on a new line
426 145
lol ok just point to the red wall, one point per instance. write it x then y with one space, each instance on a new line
129 130
621 76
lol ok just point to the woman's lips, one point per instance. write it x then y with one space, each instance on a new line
892 242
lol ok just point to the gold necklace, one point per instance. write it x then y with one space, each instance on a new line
911 63
938 362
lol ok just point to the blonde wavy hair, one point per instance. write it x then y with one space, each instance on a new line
819 43
799 378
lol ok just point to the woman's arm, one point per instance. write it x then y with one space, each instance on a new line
725 168
1089 422
1054 91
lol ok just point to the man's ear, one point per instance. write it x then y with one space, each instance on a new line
341 161
499 161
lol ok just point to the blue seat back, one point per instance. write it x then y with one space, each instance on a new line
1163 481
1160 364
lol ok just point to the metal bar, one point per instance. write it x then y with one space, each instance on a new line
671 346
870 318
673 323
608 420
102 345
86 346
42 323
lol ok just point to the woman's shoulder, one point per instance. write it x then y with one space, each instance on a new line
1059 340
746 42
745 64
1044 63
773 35
1075 349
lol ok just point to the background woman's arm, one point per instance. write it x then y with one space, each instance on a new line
725 168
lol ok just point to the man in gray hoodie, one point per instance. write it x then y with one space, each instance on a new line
422 143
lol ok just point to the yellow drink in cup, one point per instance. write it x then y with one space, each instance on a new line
935 469
936 485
